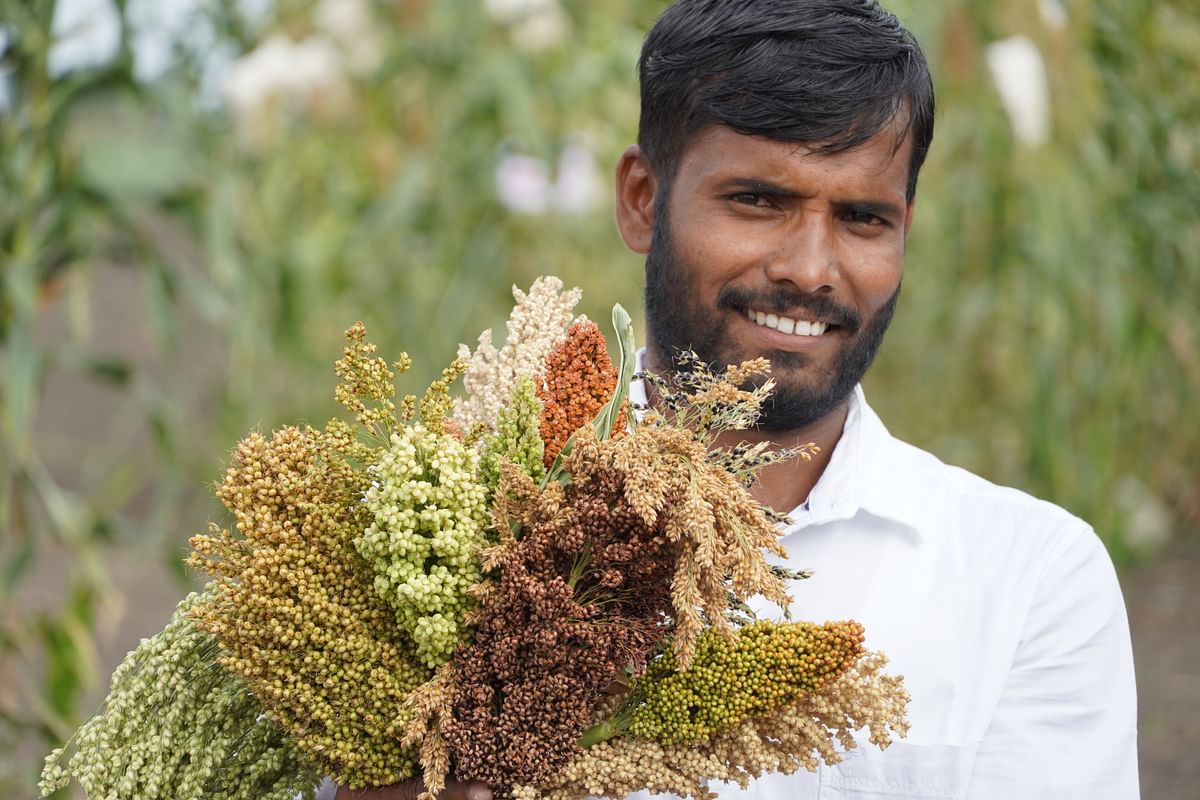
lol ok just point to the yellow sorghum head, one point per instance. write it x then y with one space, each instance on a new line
431 704
435 405
367 385
295 610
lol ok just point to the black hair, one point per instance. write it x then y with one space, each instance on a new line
826 73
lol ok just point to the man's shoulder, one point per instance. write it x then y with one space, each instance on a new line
1002 541
962 503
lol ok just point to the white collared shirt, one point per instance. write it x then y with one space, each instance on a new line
1001 611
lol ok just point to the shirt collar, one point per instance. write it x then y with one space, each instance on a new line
865 473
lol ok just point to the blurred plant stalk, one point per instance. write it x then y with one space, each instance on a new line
47 217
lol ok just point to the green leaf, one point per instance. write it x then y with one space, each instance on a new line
22 366
15 567
623 326
116 371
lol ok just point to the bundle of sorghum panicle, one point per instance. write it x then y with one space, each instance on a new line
523 586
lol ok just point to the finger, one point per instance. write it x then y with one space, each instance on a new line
465 790
477 791
410 790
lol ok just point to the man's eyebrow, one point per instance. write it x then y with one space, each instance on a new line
757 186
881 209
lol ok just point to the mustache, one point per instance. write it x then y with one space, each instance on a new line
786 303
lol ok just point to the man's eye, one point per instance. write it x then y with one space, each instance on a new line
864 218
749 199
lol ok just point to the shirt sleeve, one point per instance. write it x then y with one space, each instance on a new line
1066 722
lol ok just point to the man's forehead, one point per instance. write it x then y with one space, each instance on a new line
888 148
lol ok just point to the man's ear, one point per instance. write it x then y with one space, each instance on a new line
636 187
908 215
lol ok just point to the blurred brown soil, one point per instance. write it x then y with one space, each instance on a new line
1163 598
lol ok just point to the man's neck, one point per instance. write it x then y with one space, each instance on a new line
787 484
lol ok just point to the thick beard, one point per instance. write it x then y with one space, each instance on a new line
675 324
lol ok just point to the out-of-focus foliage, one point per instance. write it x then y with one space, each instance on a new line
179 256
1048 336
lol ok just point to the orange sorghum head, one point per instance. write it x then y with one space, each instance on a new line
578 378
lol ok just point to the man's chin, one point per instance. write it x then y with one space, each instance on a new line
788 410
782 362
787 361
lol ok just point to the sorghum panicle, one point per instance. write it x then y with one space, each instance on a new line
765 665
295 608
427 511
176 726
578 378
538 322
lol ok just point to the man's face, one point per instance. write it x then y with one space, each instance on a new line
766 249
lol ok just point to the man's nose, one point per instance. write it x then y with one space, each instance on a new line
806 256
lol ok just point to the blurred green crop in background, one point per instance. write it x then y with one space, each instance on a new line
188 223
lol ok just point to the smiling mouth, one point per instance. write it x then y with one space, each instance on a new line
789 325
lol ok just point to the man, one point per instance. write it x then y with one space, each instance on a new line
772 191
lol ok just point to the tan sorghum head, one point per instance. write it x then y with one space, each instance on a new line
538 322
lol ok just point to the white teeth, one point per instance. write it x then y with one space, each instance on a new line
787 324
